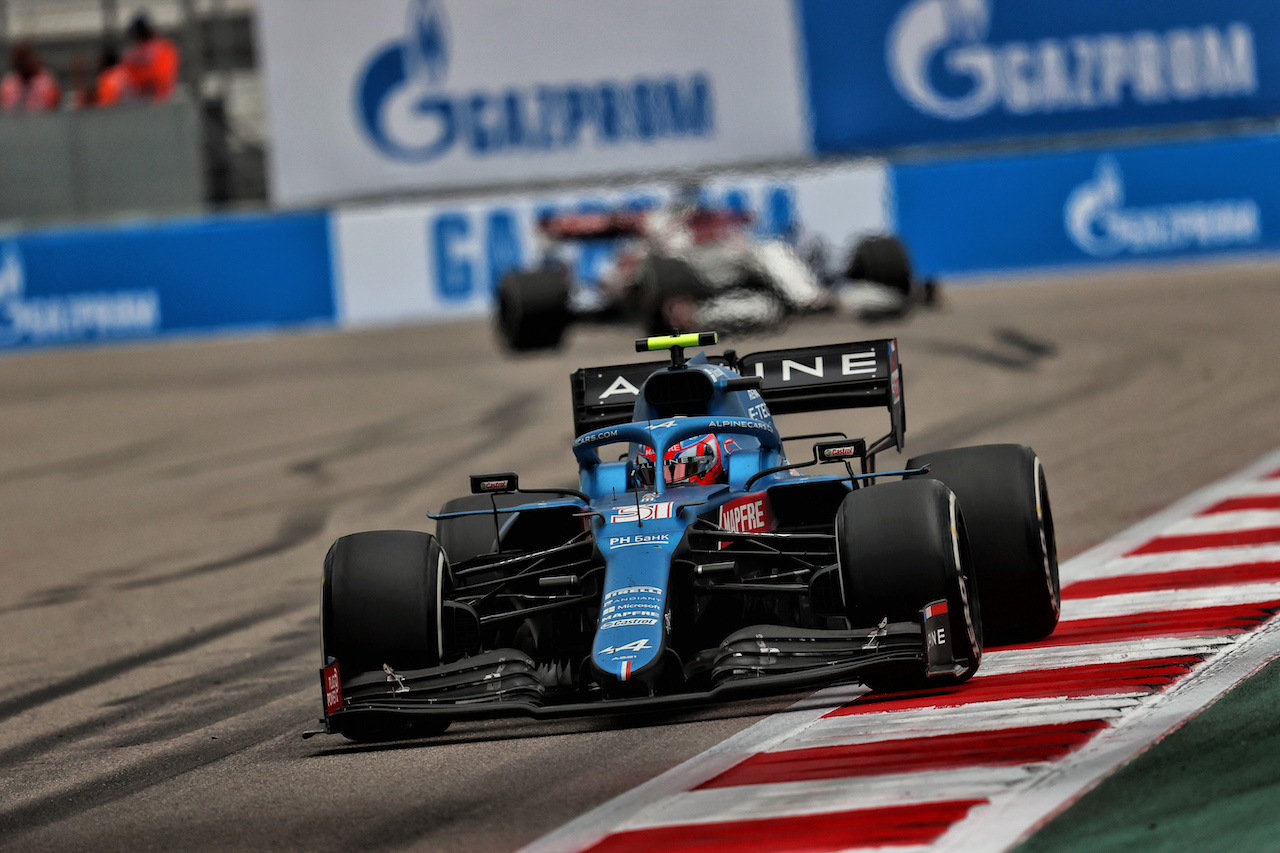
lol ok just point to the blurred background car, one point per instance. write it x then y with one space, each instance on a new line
688 265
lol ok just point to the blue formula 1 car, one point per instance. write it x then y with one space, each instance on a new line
697 561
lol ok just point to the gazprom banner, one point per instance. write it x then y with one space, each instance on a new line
1101 206
396 95
414 262
89 285
883 73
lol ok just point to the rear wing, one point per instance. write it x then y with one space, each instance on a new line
804 379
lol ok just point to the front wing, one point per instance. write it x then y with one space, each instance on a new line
754 661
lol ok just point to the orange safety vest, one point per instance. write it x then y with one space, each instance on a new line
113 85
152 67
41 94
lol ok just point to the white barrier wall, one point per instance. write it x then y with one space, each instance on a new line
416 262
395 95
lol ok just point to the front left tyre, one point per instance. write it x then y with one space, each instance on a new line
381 603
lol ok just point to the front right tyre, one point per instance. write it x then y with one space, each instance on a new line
901 546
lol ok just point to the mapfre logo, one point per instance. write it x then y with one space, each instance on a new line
1100 224
1077 71
408 114
750 514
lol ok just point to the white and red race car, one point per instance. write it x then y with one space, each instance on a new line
687 266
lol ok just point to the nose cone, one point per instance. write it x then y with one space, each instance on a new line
637 542
630 634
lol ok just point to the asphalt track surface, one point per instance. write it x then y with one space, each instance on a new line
164 511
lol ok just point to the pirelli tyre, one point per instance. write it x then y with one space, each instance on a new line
381 605
1005 500
532 309
883 259
900 546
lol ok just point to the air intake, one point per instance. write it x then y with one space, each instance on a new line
679 392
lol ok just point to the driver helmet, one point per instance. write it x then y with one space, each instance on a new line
697 460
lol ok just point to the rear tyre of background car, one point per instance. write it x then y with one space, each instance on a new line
533 309
901 546
1005 500
882 258
381 604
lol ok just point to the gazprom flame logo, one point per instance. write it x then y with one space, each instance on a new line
1100 224
408 113
12 279
427 48
941 62
67 317
923 29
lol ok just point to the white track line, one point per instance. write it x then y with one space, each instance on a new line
785 799
979 717
1132 603
1225 522
999 662
1204 558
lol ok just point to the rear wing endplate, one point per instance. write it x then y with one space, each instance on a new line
804 379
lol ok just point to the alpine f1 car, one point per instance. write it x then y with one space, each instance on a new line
687 267
698 560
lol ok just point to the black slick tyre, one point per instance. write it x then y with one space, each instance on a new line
532 310
1005 499
901 546
882 258
381 605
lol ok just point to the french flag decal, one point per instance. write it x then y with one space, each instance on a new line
624 673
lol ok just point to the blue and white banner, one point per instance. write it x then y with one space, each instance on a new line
367 99
1148 203
884 73
138 281
414 262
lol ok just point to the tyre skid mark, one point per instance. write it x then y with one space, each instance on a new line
113 669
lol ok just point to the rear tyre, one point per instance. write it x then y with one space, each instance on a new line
1002 491
899 547
532 310
381 604
882 258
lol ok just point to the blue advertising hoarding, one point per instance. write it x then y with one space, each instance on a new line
1148 203
91 284
884 73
